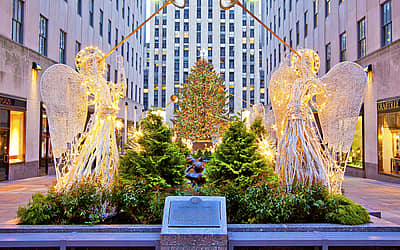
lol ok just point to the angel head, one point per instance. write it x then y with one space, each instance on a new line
308 61
89 62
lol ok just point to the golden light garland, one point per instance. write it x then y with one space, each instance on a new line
89 155
295 90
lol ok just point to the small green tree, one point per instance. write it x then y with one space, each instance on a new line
257 127
236 159
161 163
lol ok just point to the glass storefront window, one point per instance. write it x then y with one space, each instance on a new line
17 136
389 143
356 153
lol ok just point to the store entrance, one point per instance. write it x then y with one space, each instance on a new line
4 154
4 143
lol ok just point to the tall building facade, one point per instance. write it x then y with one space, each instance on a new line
36 34
228 39
366 32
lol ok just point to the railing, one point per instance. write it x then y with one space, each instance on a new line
321 236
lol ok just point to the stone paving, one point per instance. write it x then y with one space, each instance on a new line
373 195
16 193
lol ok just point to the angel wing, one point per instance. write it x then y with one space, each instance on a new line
280 93
66 102
338 109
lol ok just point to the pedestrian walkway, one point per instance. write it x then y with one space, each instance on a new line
374 195
16 193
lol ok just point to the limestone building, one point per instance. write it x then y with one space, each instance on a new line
34 35
366 32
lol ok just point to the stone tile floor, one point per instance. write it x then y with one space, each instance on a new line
375 196
15 193
372 194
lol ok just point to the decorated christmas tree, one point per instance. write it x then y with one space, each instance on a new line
202 114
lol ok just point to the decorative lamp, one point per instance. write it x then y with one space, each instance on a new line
368 68
36 66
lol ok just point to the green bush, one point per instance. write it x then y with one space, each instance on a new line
82 204
236 159
161 163
342 210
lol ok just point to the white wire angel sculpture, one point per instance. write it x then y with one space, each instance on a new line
91 154
303 154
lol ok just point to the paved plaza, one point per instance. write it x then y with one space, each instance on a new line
372 194
16 193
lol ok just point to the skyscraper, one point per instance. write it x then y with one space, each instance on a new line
228 39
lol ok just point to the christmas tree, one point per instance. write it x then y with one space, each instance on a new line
202 114
236 160
160 162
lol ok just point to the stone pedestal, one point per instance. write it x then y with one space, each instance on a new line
193 241
196 222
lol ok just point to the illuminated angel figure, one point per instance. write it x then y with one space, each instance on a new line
90 154
295 92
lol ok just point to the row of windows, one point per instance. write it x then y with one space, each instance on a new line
386 13
17 29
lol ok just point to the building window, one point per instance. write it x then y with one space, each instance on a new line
305 25
356 154
343 46
17 136
117 5
290 5
63 38
231 14
43 36
284 9
18 21
77 47
328 56
389 137
156 97
116 38
123 8
362 41
297 33
387 23
101 23
327 7
108 72
185 14
315 5
109 31
79 7
91 7
177 14
231 100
